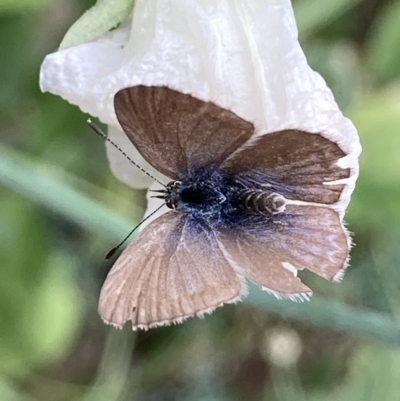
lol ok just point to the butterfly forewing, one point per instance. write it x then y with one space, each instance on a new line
172 271
298 165
176 132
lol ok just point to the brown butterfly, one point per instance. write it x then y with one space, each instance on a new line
242 207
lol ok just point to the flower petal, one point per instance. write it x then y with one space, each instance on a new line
244 56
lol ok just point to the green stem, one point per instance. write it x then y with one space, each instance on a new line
358 322
48 187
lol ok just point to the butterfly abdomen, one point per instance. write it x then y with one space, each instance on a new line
260 202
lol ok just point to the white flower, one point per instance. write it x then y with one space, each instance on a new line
242 55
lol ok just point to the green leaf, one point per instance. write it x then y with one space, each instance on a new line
10 392
102 17
373 372
328 313
314 14
39 303
375 203
22 5
50 188
383 49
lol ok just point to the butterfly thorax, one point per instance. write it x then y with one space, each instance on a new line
200 195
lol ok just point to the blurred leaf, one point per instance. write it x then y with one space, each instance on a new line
39 304
103 16
374 373
313 14
16 48
375 203
22 5
8 392
358 322
339 65
54 317
38 183
113 378
385 259
383 50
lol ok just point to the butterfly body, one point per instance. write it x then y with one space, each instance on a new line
218 200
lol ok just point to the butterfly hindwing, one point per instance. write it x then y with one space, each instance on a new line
271 251
296 164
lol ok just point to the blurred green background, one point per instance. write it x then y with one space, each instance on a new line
61 210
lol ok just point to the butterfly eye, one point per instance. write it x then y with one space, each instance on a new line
169 203
174 184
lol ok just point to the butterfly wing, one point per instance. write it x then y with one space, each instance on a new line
271 251
296 164
176 132
171 271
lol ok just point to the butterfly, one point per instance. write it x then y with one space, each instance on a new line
240 207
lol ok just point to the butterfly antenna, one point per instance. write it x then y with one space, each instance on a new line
112 251
99 132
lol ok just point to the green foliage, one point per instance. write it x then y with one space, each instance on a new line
376 200
105 15
39 300
383 47
61 210
311 15
22 5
